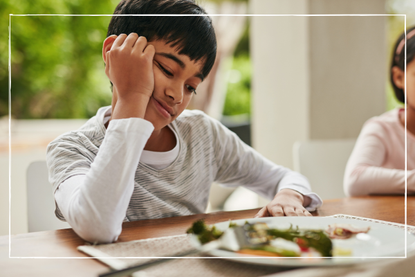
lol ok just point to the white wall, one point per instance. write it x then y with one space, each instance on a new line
348 65
315 77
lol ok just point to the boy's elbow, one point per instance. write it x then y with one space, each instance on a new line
98 235
94 231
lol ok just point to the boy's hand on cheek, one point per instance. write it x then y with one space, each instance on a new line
129 66
287 202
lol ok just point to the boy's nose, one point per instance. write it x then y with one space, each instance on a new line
176 94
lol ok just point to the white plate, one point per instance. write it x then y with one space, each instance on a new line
382 241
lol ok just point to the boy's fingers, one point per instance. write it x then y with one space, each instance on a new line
276 210
299 212
119 41
262 212
289 211
307 213
130 40
150 50
140 44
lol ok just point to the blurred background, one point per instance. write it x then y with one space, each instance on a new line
277 80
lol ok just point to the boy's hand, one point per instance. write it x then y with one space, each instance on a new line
129 66
287 202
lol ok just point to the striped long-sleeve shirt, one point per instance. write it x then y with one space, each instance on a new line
105 183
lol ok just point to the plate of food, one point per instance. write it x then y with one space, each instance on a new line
302 241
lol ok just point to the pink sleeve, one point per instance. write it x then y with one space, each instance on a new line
365 173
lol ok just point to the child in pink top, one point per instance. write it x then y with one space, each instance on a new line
377 163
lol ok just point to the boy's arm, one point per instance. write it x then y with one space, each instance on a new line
241 165
95 202
129 66
95 197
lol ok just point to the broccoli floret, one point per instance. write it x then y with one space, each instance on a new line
197 228
203 232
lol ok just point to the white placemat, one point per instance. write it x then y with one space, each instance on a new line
124 254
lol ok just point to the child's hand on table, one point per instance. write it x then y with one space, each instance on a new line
129 66
287 202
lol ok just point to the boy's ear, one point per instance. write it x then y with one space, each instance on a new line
398 77
107 46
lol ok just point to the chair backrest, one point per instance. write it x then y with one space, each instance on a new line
323 162
40 200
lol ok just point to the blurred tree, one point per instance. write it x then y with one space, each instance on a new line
238 95
56 65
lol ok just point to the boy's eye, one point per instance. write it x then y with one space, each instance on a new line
168 73
191 89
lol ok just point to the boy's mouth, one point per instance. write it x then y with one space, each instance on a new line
163 108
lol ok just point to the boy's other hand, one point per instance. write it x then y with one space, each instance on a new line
287 202
129 66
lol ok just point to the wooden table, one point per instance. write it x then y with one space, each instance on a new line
61 244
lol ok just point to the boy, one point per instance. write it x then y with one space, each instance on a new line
146 156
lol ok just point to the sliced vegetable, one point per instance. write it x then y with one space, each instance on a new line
257 252
344 231
271 250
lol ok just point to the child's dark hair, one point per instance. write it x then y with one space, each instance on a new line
193 36
398 58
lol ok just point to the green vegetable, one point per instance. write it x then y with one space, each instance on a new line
232 224
203 232
197 228
259 233
316 239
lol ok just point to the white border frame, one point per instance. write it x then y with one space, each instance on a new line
210 15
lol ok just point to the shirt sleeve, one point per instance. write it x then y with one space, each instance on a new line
364 174
241 165
94 200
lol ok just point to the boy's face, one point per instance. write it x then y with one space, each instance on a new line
176 78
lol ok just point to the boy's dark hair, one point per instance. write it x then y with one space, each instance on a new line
193 36
398 58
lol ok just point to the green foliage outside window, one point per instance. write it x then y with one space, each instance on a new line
56 64
238 95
